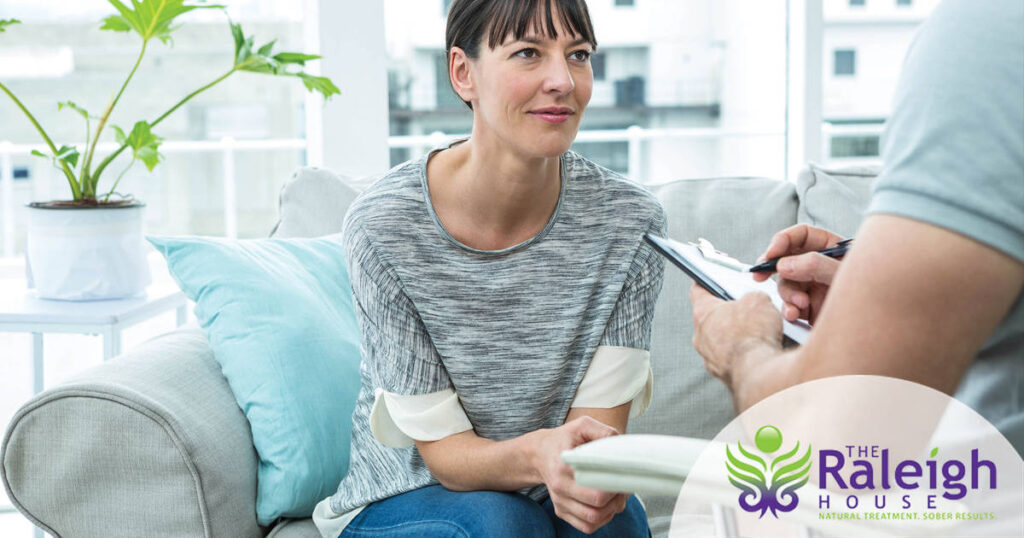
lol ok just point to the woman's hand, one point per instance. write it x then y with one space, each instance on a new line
804 275
584 508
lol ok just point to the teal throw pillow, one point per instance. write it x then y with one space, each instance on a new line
279 316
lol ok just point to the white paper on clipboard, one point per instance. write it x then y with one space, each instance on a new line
737 284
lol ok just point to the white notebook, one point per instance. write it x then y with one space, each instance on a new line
725 282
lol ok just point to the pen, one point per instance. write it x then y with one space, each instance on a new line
832 252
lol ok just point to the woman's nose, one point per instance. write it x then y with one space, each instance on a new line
558 77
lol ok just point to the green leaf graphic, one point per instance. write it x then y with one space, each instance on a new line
757 477
753 457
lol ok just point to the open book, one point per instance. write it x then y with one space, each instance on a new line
724 277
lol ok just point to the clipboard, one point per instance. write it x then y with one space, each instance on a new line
724 282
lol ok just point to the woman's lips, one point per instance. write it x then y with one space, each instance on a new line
553 116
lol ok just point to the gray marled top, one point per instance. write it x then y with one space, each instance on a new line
512 331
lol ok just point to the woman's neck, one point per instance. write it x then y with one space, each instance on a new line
490 197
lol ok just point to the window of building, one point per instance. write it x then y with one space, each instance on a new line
845 62
682 97
445 6
857 3
904 2
446 96
599 61
844 147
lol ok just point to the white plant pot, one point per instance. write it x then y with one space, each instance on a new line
86 253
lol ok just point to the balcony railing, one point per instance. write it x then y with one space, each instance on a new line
227 147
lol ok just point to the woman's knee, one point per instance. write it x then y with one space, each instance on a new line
499 514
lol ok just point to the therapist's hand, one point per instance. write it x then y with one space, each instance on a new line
804 275
724 332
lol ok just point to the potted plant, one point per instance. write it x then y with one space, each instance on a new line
91 246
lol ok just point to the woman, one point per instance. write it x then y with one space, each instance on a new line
505 298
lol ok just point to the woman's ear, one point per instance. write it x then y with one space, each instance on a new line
460 75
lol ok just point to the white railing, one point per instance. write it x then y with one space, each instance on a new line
227 146
633 136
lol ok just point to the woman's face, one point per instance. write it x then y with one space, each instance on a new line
530 93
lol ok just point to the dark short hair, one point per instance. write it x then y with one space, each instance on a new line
470 20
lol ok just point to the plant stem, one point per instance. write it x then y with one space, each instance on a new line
123 172
89 181
103 164
75 190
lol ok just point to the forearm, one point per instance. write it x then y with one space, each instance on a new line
762 370
616 417
468 462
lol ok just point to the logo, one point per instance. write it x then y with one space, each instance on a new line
768 485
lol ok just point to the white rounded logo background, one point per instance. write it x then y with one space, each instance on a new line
874 424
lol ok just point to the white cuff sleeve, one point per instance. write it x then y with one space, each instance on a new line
398 419
617 375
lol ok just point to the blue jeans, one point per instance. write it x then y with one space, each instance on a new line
436 512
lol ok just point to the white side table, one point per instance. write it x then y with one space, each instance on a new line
21 310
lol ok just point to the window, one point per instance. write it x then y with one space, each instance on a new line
598 62
843 147
857 3
845 63
709 97
445 6
446 96
904 2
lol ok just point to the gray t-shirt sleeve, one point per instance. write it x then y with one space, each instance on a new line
630 322
954 147
397 350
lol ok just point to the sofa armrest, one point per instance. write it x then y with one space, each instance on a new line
150 441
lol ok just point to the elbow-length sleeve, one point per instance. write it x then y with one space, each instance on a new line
620 370
414 399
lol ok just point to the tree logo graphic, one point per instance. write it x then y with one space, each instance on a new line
768 486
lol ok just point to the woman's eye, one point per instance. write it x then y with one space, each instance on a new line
581 55
527 53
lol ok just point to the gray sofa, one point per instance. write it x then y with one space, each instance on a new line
152 442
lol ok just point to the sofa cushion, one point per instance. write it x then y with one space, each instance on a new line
280 319
834 198
313 203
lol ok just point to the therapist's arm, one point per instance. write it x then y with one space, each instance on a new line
911 300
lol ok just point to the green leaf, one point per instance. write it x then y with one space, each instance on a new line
69 155
144 144
319 84
149 157
38 153
260 61
236 33
70 104
150 18
295 58
7 22
116 23
265 49
935 451
118 134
